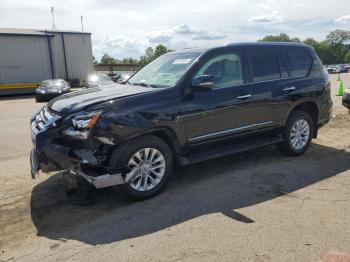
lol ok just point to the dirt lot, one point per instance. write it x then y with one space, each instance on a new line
256 206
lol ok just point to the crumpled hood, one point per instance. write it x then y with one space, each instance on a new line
76 101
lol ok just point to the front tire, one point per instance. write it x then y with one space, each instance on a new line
297 134
151 159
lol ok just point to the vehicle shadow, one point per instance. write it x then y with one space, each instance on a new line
221 185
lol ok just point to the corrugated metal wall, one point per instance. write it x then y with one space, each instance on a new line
57 57
24 59
78 52
79 55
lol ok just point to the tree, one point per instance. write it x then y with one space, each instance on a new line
107 59
160 50
129 60
151 54
323 50
338 37
94 61
347 57
279 38
339 41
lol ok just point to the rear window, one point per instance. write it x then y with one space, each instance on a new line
300 62
265 65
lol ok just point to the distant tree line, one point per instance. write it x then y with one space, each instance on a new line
335 49
149 56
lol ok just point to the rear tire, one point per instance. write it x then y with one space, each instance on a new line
297 134
151 176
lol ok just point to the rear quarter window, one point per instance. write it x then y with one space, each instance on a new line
265 65
300 62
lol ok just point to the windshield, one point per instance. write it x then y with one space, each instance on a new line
53 83
165 71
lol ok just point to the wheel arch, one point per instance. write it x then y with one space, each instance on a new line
166 134
312 109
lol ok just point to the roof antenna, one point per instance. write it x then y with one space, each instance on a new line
81 21
53 18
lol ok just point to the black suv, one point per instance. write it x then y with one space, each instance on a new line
184 107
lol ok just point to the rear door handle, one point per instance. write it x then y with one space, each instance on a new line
287 89
244 96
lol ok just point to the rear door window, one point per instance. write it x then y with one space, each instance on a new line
264 65
300 62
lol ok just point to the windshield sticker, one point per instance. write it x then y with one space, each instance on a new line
182 61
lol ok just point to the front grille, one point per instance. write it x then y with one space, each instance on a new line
42 120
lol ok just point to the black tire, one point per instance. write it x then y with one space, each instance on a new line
122 154
286 146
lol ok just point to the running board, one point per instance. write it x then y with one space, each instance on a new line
229 150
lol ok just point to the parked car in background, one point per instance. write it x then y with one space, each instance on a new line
333 70
338 69
51 88
183 108
98 80
343 69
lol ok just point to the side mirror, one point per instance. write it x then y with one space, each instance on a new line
203 82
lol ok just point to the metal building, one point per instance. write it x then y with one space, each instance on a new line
28 56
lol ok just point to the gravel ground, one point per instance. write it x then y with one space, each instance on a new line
256 206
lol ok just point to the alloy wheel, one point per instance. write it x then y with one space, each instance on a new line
148 166
300 134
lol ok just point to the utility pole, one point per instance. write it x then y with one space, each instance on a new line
53 18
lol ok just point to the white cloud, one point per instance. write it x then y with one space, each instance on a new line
132 26
164 35
118 47
184 29
209 36
343 19
267 18
160 35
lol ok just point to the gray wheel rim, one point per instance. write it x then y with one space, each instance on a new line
300 134
148 166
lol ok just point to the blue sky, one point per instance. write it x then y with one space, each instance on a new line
125 28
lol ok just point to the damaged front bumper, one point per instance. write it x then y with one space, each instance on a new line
51 152
80 162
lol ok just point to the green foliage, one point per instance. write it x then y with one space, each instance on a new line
279 38
335 49
338 37
107 59
323 50
151 54
347 57
94 61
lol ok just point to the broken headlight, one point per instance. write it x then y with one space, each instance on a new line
85 121
81 125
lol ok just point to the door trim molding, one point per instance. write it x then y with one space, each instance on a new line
228 131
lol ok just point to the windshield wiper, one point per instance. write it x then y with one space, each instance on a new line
143 84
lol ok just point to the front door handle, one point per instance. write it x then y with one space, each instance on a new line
287 89
244 96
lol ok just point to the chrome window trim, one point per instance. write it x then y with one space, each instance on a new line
228 131
260 82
